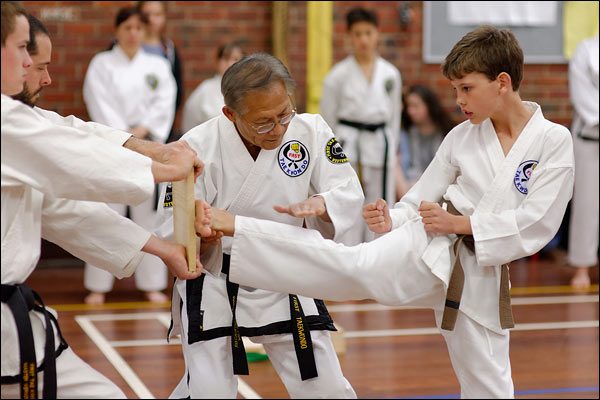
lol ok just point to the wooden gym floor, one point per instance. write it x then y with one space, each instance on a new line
391 352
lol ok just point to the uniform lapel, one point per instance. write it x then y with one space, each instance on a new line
495 194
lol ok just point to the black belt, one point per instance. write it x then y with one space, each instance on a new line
299 326
362 126
21 299
370 128
587 138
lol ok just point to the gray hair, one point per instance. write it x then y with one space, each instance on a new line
253 72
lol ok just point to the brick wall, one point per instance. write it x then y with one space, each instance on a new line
81 29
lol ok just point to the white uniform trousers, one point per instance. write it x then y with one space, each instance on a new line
75 380
480 359
210 368
583 228
151 273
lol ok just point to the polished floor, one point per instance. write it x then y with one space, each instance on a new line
391 352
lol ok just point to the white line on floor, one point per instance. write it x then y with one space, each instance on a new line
114 357
433 331
516 301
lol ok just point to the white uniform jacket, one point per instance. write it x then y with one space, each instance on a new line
349 96
41 162
583 87
123 93
516 203
113 135
308 162
205 102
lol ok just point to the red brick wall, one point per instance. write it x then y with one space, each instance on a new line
198 27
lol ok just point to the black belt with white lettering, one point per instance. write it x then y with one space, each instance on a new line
20 300
240 362
370 128
299 327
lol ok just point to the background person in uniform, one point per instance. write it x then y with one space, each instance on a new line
206 101
129 89
361 102
583 228
263 160
156 42
425 123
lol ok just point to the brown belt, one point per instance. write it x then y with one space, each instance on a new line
457 280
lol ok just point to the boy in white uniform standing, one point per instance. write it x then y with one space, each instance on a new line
260 154
505 176
362 103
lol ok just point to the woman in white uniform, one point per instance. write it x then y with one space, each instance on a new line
128 89
206 101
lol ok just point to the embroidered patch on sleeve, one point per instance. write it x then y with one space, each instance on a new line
523 174
334 152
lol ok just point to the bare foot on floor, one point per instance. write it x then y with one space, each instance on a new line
94 299
581 279
157 297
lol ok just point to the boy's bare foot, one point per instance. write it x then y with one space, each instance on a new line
157 297
581 279
94 299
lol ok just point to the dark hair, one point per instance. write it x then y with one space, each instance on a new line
224 51
127 12
487 50
360 14
254 72
439 116
10 11
36 27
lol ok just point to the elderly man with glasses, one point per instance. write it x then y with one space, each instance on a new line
263 160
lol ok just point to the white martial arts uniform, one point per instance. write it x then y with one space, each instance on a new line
205 102
308 162
121 93
349 96
583 85
516 203
41 162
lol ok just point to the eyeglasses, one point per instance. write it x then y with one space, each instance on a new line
266 128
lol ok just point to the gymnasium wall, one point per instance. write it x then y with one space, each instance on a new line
80 29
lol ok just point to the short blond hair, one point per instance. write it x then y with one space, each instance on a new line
487 50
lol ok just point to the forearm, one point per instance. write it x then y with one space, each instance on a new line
462 225
145 147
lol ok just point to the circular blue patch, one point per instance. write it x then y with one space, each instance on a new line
523 174
293 158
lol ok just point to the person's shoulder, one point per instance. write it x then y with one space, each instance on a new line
388 66
205 135
340 67
311 125
154 61
102 58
